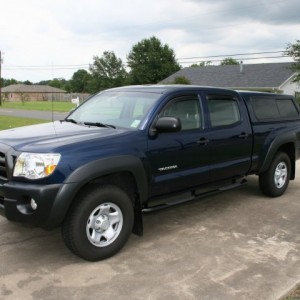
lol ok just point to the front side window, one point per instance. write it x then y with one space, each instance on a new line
223 110
186 109
119 109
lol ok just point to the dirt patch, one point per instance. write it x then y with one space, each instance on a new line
295 295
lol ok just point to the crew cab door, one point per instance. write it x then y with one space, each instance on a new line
230 135
180 160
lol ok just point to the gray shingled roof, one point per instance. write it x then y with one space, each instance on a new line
253 75
33 88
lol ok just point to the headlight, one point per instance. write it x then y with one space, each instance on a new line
36 165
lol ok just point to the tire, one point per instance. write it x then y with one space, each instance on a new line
275 180
99 223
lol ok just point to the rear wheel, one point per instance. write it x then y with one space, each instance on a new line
99 223
276 179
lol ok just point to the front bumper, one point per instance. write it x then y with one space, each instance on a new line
15 200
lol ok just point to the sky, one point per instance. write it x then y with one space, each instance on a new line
43 39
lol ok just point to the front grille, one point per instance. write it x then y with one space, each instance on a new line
3 172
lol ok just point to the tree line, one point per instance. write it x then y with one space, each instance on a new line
148 62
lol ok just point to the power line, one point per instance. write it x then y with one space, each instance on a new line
244 58
43 69
180 60
232 55
43 66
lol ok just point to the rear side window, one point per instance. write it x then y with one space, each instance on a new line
223 110
268 108
287 108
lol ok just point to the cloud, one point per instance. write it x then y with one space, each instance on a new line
265 11
39 33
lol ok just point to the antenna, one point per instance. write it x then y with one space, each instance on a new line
52 108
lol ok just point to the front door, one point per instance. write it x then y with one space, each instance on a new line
180 160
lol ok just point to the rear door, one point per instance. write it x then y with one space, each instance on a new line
230 135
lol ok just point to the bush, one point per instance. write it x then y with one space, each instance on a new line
181 80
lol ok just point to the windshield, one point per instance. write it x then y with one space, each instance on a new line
114 109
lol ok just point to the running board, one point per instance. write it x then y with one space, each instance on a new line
184 198
233 186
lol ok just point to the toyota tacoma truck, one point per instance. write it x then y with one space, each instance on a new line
133 149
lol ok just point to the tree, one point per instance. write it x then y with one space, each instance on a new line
55 82
107 71
60 83
150 61
229 61
293 50
80 81
181 80
24 97
202 64
44 82
7 82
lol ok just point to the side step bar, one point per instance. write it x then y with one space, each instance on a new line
193 195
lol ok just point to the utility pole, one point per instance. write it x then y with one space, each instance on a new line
0 80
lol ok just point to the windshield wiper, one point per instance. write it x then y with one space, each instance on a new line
98 124
71 121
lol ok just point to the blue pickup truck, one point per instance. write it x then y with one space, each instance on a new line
132 149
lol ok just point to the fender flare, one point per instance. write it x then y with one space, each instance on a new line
278 142
93 170
111 165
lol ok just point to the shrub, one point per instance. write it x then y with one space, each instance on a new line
181 80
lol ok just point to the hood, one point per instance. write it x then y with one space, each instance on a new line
53 135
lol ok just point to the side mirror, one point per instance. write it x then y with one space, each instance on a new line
165 124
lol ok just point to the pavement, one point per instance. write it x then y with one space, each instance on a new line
235 245
34 114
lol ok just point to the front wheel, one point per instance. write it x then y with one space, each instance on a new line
276 179
99 223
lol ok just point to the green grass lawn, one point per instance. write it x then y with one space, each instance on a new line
12 122
40 105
